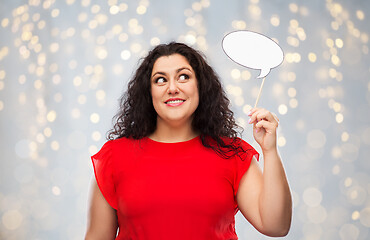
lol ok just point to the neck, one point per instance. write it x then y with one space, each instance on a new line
165 132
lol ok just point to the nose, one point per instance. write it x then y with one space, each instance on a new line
172 87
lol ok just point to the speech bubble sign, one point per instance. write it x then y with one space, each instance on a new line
253 50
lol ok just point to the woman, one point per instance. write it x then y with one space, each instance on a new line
174 167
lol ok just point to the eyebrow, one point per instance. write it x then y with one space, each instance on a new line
177 71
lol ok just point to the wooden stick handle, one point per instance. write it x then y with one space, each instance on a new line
259 94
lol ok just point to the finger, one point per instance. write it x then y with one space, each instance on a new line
253 114
253 110
262 114
268 126
276 118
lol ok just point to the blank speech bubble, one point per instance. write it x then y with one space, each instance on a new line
253 50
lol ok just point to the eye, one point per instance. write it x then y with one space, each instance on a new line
183 77
160 80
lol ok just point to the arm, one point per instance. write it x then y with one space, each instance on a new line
102 218
264 198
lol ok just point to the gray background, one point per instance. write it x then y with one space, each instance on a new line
64 64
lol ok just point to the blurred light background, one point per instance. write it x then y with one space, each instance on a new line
64 64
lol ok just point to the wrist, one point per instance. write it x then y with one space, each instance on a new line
270 152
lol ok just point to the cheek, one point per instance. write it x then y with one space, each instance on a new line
196 96
157 99
155 94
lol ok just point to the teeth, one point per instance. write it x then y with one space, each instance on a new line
175 101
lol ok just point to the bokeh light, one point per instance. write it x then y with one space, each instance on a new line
64 65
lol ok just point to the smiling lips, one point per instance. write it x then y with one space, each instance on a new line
174 102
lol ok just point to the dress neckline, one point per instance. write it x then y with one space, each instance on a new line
173 143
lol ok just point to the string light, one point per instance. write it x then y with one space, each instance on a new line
59 81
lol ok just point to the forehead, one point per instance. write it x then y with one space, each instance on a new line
171 62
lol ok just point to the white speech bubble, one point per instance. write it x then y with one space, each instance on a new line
253 50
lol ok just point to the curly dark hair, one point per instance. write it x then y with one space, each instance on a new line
213 118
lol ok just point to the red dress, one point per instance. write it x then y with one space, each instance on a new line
170 190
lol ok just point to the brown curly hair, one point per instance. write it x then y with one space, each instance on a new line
213 119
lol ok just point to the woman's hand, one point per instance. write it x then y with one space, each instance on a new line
265 124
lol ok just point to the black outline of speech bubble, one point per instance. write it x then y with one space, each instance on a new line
260 69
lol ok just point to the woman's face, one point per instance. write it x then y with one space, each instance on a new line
174 89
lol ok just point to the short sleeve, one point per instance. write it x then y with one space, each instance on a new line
103 170
242 163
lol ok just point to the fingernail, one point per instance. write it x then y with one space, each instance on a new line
249 121
249 113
